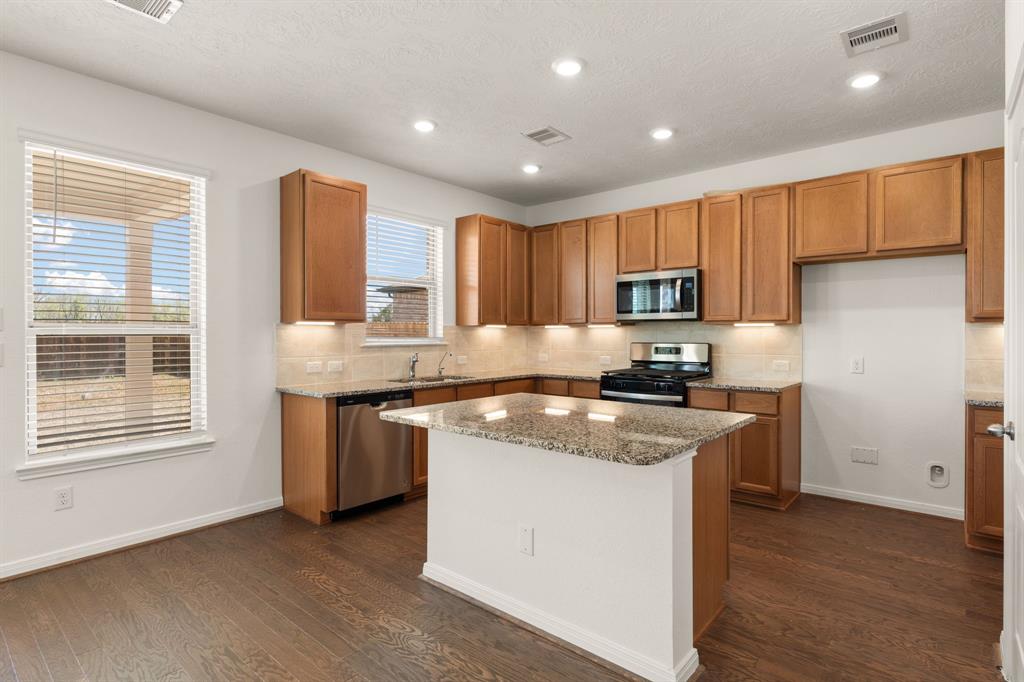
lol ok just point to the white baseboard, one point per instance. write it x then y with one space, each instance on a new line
596 644
61 556
883 501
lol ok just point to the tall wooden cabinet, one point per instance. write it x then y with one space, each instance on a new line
572 272
721 236
491 271
544 275
323 248
983 493
602 263
985 236
771 283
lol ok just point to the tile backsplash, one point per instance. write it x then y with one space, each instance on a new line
738 352
983 357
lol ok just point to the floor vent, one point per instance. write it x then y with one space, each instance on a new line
547 136
158 10
881 33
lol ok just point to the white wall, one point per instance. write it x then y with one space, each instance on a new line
981 131
906 318
129 503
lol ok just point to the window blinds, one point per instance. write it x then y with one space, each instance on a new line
115 307
403 279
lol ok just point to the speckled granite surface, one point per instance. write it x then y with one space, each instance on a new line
984 398
757 385
346 388
613 431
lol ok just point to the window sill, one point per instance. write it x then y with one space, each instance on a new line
374 343
116 455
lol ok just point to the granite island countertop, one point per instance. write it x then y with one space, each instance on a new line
617 432
337 389
984 398
756 385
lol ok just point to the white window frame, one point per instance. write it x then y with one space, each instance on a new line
198 439
435 284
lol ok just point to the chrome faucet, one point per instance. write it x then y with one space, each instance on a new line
440 365
413 359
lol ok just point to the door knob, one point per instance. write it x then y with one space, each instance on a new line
998 430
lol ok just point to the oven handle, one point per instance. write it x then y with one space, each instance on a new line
643 396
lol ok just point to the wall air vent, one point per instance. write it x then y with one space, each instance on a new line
881 33
157 10
547 136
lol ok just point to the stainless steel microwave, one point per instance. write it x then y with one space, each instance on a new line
662 295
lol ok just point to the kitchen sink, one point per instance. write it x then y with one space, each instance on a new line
431 379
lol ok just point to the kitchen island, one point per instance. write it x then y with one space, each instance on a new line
603 524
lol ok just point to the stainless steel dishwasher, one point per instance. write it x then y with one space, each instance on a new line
374 456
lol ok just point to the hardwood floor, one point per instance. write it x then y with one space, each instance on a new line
829 590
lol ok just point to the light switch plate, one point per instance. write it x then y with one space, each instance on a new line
314 367
864 455
857 365
526 540
335 365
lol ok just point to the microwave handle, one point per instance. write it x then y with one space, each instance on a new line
679 294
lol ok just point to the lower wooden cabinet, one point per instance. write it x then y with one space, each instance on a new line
515 386
585 389
983 503
553 386
764 456
427 396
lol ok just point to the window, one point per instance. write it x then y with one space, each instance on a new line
403 280
115 303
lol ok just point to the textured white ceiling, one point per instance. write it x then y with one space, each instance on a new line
737 80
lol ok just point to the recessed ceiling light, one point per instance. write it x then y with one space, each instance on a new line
661 133
531 168
567 67
864 80
424 126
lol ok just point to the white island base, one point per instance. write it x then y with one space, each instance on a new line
612 564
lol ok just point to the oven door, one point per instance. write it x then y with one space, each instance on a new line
641 392
665 295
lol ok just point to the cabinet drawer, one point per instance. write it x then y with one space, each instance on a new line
585 389
514 386
983 417
472 391
758 403
705 399
433 396
554 386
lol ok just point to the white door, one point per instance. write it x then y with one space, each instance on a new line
1012 643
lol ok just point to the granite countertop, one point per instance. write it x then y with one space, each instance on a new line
601 429
984 398
757 385
338 389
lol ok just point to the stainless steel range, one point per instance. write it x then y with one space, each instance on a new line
658 373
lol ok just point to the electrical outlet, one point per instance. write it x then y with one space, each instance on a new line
857 365
335 365
542 357
938 475
314 367
780 365
526 540
605 359
63 498
864 455
461 359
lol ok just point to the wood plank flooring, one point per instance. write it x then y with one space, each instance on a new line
829 590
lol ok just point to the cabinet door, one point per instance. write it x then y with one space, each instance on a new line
585 389
721 257
554 386
430 396
678 240
517 253
471 391
918 205
572 271
767 269
985 487
493 282
831 216
515 386
334 248
638 241
602 257
755 457
544 275
985 235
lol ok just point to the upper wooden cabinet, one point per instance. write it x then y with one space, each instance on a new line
638 241
572 272
678 235
544 275
492 278
985 236
602 261
323 248
918 205
517 253
771 283
721 257
831 216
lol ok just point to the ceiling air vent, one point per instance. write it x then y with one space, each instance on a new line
158 10
547 136
881 33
